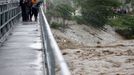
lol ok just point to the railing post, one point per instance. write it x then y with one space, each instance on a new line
9 13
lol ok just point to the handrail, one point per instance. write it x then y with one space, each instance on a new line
3 2
52 50
9 15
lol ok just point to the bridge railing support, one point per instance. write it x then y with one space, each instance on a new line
52 52
9 15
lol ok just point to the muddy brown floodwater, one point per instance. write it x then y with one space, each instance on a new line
89 51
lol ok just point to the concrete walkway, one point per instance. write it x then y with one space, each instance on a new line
21 53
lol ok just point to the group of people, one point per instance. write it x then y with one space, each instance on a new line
122 10
29 8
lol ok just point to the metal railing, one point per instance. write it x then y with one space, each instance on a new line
9 15
52 52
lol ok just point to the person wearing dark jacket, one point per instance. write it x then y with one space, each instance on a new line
23 9
35 10
26 9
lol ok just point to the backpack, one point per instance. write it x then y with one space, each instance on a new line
34 1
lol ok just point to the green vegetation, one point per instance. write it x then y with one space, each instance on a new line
97 12
124 25
60 11
79 19
56 25
64 11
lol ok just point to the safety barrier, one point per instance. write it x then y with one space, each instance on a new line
9 15
52 52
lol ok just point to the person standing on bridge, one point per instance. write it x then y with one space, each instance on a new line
26 9
35 10
23 9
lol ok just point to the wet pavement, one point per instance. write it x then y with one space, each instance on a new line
21 53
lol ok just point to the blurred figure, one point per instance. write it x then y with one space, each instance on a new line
23 9
26 9
28 4
35 10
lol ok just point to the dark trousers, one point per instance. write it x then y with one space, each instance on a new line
23 9
26 12
35 13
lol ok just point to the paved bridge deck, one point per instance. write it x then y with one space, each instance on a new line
21 53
